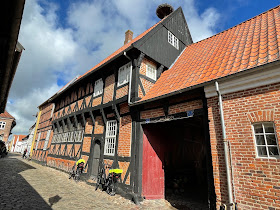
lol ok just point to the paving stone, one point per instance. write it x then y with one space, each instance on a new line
28 185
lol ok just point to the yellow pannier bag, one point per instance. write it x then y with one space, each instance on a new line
116 171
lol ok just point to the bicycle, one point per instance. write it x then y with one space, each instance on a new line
76 174
108 183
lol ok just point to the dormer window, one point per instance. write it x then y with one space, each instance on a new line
173 40
123 76
151 72
98 87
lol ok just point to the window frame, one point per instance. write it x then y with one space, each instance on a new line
2 125
153 77
110 137
266 145
126 68
96 91
173 40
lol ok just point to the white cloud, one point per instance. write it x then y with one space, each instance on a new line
93 30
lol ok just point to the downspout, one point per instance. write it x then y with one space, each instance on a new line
34 136
130 76
230 194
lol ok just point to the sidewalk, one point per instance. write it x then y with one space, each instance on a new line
28 185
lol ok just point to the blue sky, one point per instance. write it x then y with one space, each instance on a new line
65 38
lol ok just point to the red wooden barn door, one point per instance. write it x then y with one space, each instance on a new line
152 171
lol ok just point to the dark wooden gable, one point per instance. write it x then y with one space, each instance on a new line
155 43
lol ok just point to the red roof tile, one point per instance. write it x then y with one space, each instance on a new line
6 115
19 137
252 43
123 48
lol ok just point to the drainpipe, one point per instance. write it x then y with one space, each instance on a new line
130 76
230 195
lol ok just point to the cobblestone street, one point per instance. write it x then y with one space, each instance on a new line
28 185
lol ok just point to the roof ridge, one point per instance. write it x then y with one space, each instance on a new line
236 25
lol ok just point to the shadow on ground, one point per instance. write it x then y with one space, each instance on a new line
16 192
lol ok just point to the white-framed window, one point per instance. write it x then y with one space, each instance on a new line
110 138
98 87
47 140
151 72
266 140
172 39
2 125
38 139
124 73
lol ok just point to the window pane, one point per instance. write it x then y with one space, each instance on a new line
258 128
271 139
262 151
260 140
273 151
269 128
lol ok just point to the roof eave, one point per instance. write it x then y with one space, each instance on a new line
99 67
246 71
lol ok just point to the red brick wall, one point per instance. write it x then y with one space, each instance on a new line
183 107
89 126
97 101
99 125
152 113
109 89
86 144
65 165
124 108
121 92
125 136
256 181
143 65
7 129
124 166
146 84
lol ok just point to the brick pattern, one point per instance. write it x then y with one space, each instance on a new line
99 125
143 66
183 107
125 129
89 126
65 165
152 113
124 166
124 108
256 180
146 84
109 89
121 92
86 144
97 101
140 93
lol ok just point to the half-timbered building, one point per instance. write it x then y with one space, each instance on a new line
197 121
92 118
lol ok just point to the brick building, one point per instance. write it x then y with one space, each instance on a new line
206 126
7 122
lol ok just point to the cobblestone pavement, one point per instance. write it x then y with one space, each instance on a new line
27 185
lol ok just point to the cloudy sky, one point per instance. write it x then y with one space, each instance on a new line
64 38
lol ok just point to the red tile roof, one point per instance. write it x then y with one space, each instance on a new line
6 115
20 138
123 48
252 43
